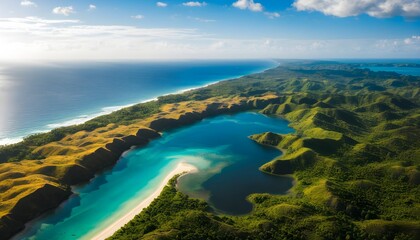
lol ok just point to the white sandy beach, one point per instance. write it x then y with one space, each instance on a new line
110 230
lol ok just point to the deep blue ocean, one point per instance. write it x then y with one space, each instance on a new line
39 97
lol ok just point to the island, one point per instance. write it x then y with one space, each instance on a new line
355 156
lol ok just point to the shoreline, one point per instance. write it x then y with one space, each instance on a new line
9 140
182 168
147 131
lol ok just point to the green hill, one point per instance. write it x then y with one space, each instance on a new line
355 156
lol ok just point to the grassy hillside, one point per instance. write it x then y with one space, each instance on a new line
355 155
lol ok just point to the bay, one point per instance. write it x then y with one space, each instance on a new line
227 162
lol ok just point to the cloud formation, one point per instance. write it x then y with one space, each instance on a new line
248 4
204 20
373 8
161 4
138 17
34 38
412 40
194 4
272 15
27 3
66 11
64 28
92 7
34 25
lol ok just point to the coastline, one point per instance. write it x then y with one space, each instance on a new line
182 168
9 140
90 159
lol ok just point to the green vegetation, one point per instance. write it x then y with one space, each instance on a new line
355 155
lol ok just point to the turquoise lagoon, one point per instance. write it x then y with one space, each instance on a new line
219 147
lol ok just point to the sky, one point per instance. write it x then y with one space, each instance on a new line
212 29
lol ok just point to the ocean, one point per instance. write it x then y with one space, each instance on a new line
39 97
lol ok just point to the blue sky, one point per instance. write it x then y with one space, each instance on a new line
147 29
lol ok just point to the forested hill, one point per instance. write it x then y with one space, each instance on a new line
355 155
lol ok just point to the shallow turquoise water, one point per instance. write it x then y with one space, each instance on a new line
219 147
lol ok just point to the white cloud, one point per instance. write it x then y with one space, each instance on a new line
65 28
374 8
272 15
220 44
161 4
138 17
34 38
314 48
248 4
35 21
412 40
203 20
92 7
63 10
27 3
194 4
